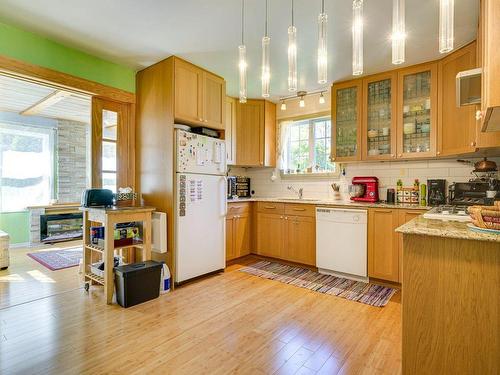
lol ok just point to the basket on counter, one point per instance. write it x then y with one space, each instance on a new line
487 217
125 199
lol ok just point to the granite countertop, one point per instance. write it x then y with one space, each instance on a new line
331 202
448 229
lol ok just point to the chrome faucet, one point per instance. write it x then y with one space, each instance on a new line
299 192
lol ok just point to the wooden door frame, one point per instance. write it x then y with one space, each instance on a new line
45 76
63 80
125 150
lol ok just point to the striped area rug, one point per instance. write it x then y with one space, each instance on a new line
370 294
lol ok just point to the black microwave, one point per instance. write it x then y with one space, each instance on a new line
238 187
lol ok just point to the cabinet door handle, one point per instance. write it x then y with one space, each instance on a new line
438 153
286 217
393 155
298 209
205 120
235 207
200 119
472 144
270 207
400 155
281 217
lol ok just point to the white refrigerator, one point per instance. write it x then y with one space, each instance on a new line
200 205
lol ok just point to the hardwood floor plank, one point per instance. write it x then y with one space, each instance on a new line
231 323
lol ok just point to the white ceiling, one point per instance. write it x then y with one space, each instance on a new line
18 95
139 33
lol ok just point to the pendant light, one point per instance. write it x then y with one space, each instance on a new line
283 105
322 48
301 95
242 52
398 32
357 37
321 98
292 56
266 70
446 25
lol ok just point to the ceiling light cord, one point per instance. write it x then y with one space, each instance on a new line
267 17
293 23
242 22
323 6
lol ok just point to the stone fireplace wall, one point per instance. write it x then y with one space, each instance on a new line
72 158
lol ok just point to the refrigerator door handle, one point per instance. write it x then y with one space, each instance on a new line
224 196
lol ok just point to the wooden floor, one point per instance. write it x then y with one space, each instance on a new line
231 323
26 279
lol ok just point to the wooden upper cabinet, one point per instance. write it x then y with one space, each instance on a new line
269 134
199 96
379 120
417 112
214 101
490 62
456 125
255 133
383 244
346 121
188 80
230 129
487 35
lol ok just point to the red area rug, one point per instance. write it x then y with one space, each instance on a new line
58 259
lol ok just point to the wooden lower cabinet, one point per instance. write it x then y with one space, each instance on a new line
300 240
404 216
270 234
383 244
287 237
238 232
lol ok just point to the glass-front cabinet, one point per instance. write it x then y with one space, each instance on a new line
346 116
417 117
379 120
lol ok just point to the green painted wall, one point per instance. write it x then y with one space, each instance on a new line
16 224
35 49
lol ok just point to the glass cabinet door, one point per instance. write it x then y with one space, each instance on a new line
418 115
379 139
346 101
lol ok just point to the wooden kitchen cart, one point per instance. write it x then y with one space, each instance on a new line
109 217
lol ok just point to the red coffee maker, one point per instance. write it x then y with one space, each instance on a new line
369 189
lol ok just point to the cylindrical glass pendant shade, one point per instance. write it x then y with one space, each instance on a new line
242 65
446 25
398 32
292 58
266 70
322 49
357 37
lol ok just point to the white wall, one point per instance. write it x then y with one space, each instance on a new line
387 172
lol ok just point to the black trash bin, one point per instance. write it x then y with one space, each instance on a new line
137 282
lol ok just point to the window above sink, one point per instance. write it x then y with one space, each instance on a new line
304 148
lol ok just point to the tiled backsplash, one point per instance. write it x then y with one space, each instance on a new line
387 172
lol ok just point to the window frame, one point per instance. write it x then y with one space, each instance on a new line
311 120
46 130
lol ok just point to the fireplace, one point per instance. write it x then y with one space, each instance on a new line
61 227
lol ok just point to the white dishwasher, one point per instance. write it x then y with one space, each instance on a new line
341 242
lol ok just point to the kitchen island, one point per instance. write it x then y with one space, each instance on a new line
451 299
